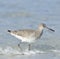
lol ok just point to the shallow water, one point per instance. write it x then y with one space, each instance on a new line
19 14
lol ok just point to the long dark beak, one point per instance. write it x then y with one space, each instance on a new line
50 29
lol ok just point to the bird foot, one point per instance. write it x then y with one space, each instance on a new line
19 46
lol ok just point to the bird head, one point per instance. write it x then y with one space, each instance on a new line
42 26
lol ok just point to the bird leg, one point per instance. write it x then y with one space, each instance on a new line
19 46
29 47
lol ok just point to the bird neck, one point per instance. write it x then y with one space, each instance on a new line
40 29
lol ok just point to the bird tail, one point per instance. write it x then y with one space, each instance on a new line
9 31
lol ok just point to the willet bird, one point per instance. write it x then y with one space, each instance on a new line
29 35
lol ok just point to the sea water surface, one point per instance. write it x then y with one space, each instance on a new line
27 14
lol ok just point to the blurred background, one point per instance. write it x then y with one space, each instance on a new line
22 14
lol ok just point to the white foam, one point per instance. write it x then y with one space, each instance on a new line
10 51
56 51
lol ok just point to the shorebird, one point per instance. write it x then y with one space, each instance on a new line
29 35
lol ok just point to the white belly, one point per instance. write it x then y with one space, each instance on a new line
24 39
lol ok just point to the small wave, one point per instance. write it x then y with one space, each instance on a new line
56 51
10 51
